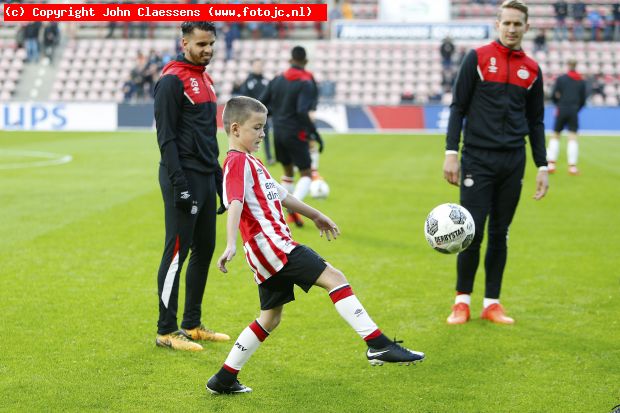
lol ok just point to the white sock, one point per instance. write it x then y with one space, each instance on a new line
302 188
572 152
353 312
287 183
246 344
553 150
463 298
488 301
314 157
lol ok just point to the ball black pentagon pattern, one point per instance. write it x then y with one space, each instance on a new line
468 239
456 215
432 225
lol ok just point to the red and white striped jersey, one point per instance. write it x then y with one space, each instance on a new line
266 236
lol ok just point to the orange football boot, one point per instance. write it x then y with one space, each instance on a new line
573 170
203 333
551 167
496 314
460 314
295 218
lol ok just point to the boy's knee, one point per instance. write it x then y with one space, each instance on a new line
269 321
339 275
272 323
331 278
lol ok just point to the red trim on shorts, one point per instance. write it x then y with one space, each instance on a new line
260 332
341 293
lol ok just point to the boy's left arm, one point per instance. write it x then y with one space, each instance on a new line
323 222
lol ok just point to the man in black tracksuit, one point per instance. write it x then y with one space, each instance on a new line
254 86
290 97
189 173
569 95
499 93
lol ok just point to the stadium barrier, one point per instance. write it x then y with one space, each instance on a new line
59 116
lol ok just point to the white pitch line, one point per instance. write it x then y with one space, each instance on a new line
49 159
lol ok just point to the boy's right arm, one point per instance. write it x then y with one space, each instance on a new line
232 226
323 222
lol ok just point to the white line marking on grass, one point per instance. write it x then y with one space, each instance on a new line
49 159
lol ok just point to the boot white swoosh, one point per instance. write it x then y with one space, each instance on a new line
378 353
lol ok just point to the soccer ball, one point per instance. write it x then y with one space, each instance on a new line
449 228
319 189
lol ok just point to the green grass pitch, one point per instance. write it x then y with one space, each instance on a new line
81 243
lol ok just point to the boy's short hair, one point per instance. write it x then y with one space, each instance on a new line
239 109
513 4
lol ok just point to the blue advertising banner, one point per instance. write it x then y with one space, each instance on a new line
138 115
58 116
61 116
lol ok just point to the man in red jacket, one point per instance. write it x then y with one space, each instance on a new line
290 97
499 92
189 174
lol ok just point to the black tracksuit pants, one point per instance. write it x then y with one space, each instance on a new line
185 231
491 183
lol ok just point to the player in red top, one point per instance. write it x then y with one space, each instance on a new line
255 201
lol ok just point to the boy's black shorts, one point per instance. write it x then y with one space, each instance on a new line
292 150
566 118
303 268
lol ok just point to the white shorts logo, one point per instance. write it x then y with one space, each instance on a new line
468 182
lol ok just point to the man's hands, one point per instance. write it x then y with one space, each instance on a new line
219 182
326 226
451 169
542 185
316 137
183 199
227 256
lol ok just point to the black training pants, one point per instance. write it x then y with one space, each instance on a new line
185 230
490 187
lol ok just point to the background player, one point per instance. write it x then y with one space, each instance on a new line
290 97
569 96
254 86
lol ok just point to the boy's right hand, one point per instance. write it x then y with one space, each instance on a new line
228 255
326 227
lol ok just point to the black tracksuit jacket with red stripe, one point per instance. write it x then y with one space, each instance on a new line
186 119
290 96
569 91
499 93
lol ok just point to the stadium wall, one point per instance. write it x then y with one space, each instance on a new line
59 116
